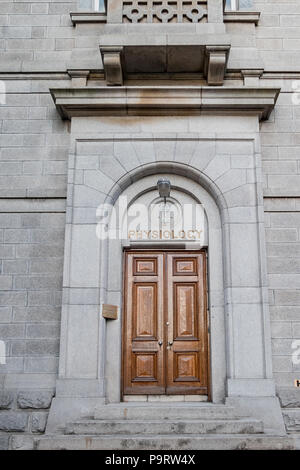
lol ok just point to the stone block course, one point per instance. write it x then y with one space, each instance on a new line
5 314
39 421
7 251
5 282
44 298
11 331
46 265
13 365
289 398
6 400
16 236
32 304
37 282
282 364
13 298
21 442
281 329
32 168
38 251
42 347
36 314
15 266
34 399
40 365
13 421
296 329
282 235
283 266
4 442
282 346
43 330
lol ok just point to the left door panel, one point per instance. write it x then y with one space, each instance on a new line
143 353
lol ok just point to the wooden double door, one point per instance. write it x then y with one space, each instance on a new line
165 331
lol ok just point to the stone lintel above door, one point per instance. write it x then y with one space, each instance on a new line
163 101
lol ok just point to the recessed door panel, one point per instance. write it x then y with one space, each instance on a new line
186 367
144 311
185 310
184 266
144 266
144 367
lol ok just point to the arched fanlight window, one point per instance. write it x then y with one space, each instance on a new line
165 215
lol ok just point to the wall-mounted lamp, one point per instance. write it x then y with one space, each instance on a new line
164 187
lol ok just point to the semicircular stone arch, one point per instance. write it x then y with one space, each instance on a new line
173 168
112 276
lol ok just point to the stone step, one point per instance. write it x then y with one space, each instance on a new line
194 426
291 418
167 442
147 411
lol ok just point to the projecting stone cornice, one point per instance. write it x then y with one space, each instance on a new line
142 101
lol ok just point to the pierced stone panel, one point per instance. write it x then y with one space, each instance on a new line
165 11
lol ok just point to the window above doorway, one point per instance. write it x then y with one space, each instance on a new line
92 5
240 11
235 5
90 11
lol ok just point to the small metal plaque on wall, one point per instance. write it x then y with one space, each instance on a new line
110 311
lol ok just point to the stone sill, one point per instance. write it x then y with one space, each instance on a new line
241 17
88 17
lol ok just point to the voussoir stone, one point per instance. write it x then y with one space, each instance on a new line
6 399
35 399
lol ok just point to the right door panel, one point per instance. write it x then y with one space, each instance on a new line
187 329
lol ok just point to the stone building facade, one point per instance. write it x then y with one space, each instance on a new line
101 100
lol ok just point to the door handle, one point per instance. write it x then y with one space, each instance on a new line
170 343
160 343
